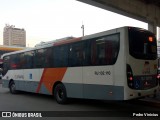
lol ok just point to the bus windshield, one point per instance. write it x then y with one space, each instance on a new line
142 44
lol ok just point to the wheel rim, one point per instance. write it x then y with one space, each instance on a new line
60 94
13 87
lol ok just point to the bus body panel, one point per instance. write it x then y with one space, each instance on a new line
74 90
99 83
98 90
73 82
120 65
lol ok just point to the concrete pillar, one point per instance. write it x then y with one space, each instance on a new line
153 28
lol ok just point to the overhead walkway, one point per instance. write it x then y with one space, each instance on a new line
144 10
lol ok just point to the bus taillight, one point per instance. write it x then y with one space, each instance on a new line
150 39
158 79
130 76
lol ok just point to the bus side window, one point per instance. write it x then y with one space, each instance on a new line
48 57
104 50
60 54
15 61
76 54
6 64
98 49
86 53
29 57
21 62
39 58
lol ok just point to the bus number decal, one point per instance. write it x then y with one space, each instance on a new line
19 76
102 72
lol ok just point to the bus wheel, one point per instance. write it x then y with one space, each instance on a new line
60 94
12 88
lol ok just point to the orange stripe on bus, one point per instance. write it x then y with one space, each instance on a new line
50 76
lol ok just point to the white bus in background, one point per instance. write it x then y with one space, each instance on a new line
119 64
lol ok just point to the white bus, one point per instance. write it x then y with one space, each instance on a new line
119 64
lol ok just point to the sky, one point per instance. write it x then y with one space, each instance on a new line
46 20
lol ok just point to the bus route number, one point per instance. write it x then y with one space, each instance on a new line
102 72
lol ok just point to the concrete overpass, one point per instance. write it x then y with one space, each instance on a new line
144 10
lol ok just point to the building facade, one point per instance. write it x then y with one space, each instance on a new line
14 36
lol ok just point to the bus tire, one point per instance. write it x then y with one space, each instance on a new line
60 94
12 87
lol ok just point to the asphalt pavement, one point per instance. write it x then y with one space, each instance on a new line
36 102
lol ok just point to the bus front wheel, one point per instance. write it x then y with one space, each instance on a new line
60 94
12 87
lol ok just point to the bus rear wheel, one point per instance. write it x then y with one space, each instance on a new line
60 94
12 87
